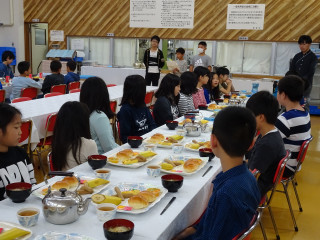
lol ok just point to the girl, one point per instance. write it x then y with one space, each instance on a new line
167 96
15 165
211 90
188 87
94 93
72 143
134 117
202 77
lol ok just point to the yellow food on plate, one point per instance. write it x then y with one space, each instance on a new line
96 182
155 191
149 196
166 166
130 193
177 137
178 162
192 165
165 143
98 198
138 202
60 184
156 138
130 161
226 100
113 160
188 120
13 233
44 191
193 145
212 106
112 199
147 154
203 121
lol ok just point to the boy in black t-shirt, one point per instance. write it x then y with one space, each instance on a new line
268 149
15 165
56 78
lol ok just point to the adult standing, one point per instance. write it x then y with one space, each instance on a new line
154 61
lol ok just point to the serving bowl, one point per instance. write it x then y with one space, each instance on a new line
116 224
97 161
172 182
18 192
203 107
172 125
134 141
206 152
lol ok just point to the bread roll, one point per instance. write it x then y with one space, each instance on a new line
138 202
60 184
155 191
122 156
149 196
192 165
129 152
72 181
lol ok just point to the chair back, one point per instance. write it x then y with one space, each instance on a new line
148 98
2 95
111 85
21 99
254 222
74 85
303 152
113 106
52 94
61 88
74 90
30 92
50 123
26 130
49 161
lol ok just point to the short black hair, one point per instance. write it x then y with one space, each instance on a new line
7 114
203 43
305 39
180 50
7 54
235 127
55 66
223 71
156 38
264 103
134 91
201 71
167 86
292 86
23 66
72 65
189 83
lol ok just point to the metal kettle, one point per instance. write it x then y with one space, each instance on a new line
63 206
193 129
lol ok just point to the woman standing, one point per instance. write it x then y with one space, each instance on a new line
154 61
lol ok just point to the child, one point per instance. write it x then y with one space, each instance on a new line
54 79
72 143
23 81
201 59
235 195
134 117
166 106
5 69
294 124
153 60
94 93
15 165
182 64
202 77
211 89
188 87
268 149
225 84
71 76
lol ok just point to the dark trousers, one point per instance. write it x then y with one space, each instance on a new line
152 78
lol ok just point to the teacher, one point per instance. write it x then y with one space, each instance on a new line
154 61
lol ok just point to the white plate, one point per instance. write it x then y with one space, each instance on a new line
38 192
62 236
179 169
195 150
129 186
8 225
163 146
134 165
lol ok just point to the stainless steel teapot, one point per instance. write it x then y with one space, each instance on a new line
63 206
193 129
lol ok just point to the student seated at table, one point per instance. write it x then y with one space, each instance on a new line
211 89
268 149
294 124
188 87
5 69
71 76
235 195
55 78
94 93
166 106
202 79
134 117
15 165
23 81
225 83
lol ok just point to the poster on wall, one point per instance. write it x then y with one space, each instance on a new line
56 35
245 16
161 13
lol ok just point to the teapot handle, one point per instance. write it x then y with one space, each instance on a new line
60 173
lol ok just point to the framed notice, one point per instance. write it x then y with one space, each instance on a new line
245 16
161 13
56 35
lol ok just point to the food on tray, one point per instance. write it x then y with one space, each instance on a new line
72 181
202 121
161 140
155 191
130 193
147 154
14 233
196 145
188 120
149 196
125 154
119 229
130 161
100 198
118 192
167 166
138 202
128 157
85 189
192 145
234 96
60 184
158 137
113 160
96 182
226 100
192 165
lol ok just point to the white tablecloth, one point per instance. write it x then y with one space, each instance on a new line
190 201
246 84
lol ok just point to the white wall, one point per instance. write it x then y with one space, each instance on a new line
13 36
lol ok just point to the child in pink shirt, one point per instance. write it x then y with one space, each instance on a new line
203 77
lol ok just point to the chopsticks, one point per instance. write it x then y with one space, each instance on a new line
168 205
209 168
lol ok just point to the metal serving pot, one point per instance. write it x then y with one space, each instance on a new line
193 129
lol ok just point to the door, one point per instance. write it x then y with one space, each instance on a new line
39 44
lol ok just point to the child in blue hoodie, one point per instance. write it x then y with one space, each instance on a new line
71 76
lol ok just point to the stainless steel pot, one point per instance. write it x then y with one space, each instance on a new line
192 129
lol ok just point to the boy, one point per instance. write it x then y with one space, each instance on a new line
198 97
182 64
15 165
225 83
268 149
54 79
201 59
7 59
294 124
71 76
235 195
23 81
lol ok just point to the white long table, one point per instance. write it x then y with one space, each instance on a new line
190 202
246 84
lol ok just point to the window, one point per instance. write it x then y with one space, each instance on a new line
230 54
100 50
257 58
124 52
285 52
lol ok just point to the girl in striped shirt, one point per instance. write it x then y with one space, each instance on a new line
188 87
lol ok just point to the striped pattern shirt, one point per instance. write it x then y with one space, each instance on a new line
294 127
185 104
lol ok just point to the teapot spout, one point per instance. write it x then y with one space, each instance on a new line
83 207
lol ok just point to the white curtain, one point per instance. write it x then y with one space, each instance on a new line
257 58
124 52
285 51
100 50
230 54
